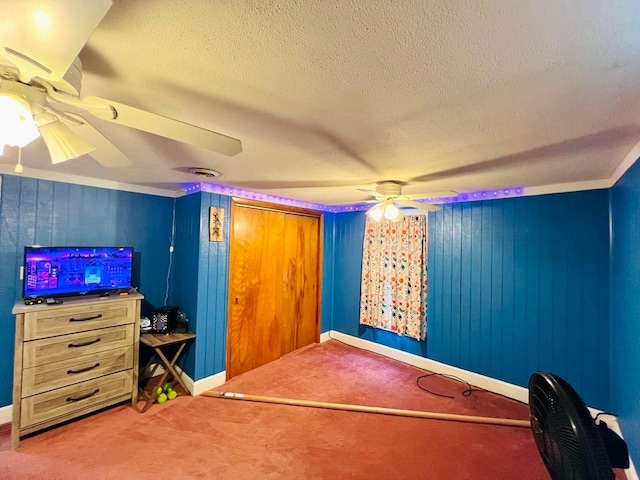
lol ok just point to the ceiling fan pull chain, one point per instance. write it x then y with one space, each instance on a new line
19 168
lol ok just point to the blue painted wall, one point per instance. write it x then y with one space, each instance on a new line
328 276
515 285
54 213
625 307
185 266
201 281
349 235
519 285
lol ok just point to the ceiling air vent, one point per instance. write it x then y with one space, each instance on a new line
204 172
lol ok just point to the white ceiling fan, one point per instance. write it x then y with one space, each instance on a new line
41 75
391 201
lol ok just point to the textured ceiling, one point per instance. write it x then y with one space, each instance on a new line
329 96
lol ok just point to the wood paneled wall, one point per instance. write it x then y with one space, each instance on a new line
625 307
515 285
201 281
519 285
54 213
328 277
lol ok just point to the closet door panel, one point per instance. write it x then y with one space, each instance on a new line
273 285
300 280
254 310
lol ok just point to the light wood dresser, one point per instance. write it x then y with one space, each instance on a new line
72 359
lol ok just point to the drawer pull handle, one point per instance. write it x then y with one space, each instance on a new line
82 397
86 369
84 319
84 344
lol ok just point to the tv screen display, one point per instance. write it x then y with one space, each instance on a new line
69 271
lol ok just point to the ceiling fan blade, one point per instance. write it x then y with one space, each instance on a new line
106 153
376 205
373 193
43 37
419 205
159 125
435 194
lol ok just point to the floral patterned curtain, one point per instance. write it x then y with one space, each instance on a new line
393 293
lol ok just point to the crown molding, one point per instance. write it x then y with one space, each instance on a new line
567 187
85 181
626 163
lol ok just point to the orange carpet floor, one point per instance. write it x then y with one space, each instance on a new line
201 437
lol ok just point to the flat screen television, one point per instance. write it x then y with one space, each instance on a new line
53 272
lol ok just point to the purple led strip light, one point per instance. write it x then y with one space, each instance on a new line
354 207
263 197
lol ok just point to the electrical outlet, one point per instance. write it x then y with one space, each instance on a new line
21 272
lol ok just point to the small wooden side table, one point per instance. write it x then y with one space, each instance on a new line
158 342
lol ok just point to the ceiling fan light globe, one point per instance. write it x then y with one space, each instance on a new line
16 121
392 213
376 212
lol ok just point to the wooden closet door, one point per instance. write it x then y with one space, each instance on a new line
253 320
273 286
300 278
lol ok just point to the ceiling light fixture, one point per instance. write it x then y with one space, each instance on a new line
17 128
61 142
387 210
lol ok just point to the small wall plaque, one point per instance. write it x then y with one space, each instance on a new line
216 222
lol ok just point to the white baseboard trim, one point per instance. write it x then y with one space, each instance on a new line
631 472
612 423
515 392
198 386
6 414
509 390
208 383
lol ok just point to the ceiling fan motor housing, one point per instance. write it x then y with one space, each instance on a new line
389 189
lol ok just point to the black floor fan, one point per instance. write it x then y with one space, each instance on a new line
567 437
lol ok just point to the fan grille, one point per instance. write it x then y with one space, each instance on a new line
564 432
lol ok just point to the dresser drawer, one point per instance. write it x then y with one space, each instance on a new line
74 370
63 401
65 347
60 320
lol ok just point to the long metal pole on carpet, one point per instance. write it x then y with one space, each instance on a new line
507 422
